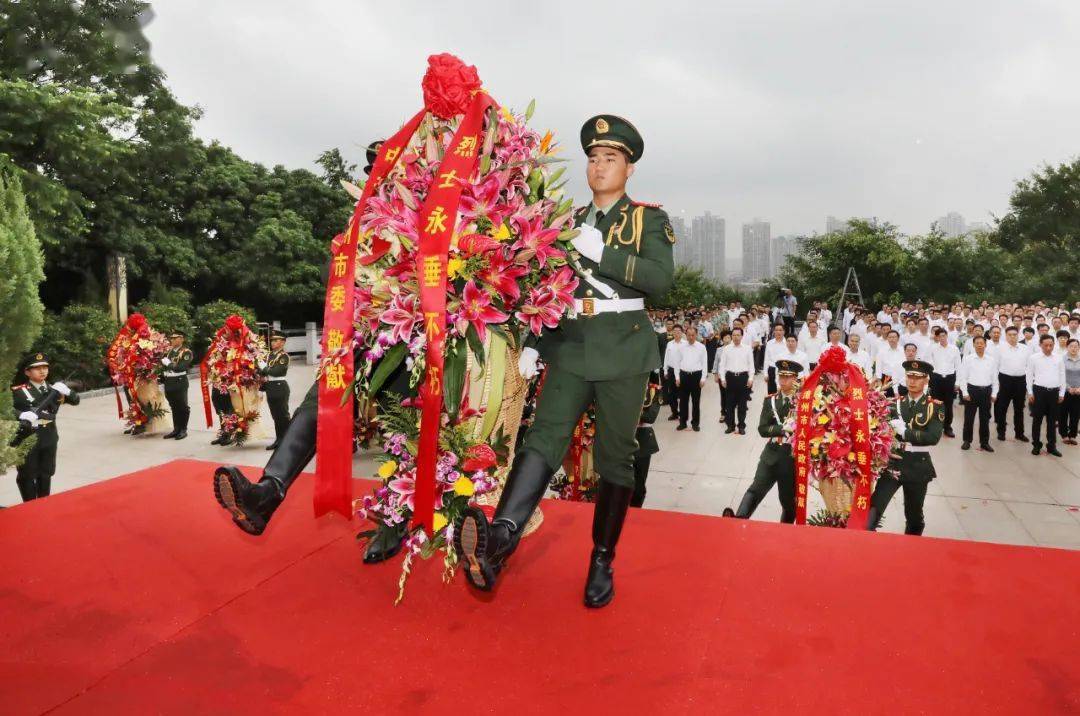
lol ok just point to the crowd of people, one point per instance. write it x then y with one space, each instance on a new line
991 359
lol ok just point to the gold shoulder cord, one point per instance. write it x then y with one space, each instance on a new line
615 231
637 224
926 418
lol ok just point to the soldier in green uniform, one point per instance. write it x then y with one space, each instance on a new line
276 387
176 364
36 404
776 466
918 421
603 355
646 439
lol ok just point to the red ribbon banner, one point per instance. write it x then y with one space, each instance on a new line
334 434
860 442
437 219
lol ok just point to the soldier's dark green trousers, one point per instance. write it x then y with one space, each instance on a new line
565 397
776 468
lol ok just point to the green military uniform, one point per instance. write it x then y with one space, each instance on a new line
910 465
34 475
175 379
776 465
605 358
277 390
646 439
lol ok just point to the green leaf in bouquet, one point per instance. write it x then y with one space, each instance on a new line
389 363
453 377
475 345
485 164
530 109
556 176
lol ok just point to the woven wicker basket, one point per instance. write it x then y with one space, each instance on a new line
499 388
837 495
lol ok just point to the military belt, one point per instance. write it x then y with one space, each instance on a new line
174 374
916 448
594 306
276 380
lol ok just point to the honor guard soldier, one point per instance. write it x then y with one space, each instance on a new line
918 421
36 403
276 387
646 439
602 354
176 364
776 466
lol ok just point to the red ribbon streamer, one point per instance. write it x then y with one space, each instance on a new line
334 434
860 440
437 219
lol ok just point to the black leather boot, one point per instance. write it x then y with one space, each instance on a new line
873 519
385 544
612 502
749 503
252 505
482 547
170 435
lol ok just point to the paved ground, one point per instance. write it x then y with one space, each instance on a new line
1009 496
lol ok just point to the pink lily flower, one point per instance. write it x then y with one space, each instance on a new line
562 283
402 316
502 275
540 311
535 241
476 308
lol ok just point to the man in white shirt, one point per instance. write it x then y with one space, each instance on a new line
692 366
791 352
734 370
1046 391
1012 357
945 357
812 342
859 357
977 381
889 367
774 350
671 352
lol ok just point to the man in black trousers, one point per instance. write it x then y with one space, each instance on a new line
692 366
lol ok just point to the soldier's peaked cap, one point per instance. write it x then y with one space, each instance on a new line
610 130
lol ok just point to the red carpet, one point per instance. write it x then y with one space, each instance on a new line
137 595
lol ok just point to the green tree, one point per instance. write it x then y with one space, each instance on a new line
210 317
335 168
691 288
1041 234
166 319
875 251
950 269
76 340
21 310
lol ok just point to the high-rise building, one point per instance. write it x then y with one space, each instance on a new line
682 241
834 225
709 239
952 225
783 246
756 250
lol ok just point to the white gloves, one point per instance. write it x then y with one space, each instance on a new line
527 363
61 389
166 362
262 365
899 426
29 417
589 243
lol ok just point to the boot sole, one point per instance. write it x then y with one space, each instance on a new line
598 604
225 491
470 542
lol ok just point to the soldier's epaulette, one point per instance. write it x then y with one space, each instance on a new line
646 204
581 211
18 387
935 401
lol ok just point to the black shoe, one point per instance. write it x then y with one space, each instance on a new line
385 544
169 436
985 447
1001 437
728 512
484 547
127 431
1035 449
272 446
1053 451
1022 438
251 505
949 433
226 440
672 417
728 431
681 426
138 430
181 435
217 440
965 446
742 431
612 502
697 428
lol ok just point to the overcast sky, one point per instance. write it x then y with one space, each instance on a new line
787 110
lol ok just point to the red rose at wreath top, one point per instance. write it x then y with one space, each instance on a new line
449 85
234 322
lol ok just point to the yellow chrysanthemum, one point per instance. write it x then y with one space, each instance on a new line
823 419
387 469
454 266
502 233
439 521
463 486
